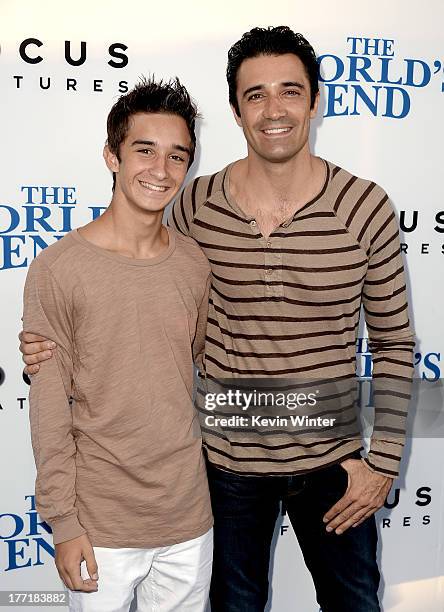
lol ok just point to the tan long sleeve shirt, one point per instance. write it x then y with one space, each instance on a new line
123 463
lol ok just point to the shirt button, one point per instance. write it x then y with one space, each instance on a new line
269 271
268 244
253 223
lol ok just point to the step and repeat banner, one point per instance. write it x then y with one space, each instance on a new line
380 116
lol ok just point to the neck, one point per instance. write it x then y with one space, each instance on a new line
292 181
128 231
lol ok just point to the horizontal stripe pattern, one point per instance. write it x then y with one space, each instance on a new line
289 305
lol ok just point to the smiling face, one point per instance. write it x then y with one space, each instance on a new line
152 162
273 92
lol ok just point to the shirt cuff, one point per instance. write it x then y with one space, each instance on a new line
376 470
66 528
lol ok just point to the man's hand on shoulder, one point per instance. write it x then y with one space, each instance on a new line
366 493
34 349
68 557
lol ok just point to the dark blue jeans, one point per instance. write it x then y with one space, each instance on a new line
344 568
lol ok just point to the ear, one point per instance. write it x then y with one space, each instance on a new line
236 116
110 159
314 110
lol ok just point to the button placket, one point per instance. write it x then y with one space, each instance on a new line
268 261
272 268
279 289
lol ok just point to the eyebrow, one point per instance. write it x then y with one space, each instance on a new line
152 143
262 86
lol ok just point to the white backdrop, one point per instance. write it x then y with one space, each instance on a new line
380 117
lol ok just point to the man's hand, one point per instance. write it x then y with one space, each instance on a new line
68 556
366 493
34 349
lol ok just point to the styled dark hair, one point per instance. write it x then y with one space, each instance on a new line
150 96
271 41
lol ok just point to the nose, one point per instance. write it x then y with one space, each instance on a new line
274 108
158 168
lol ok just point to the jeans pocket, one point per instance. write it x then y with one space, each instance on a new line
345 478
332 483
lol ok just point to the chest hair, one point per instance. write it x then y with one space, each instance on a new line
270 219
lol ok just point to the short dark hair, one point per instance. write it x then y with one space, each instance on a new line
271 41
151 96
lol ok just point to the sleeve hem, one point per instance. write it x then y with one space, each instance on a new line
378 470
67 528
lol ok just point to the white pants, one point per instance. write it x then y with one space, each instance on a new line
173 578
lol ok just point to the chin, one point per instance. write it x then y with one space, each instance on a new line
279 157
156 208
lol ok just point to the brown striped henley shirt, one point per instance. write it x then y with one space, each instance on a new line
289 307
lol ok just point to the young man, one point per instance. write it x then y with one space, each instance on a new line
296 245
120 473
